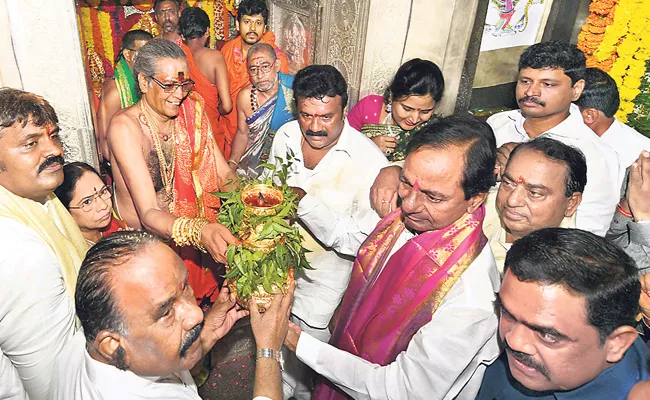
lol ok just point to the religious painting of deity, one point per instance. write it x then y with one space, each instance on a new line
293 40
511 23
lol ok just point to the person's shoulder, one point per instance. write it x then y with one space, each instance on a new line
21 247
481 279
109 87
363 149
372 99
503 118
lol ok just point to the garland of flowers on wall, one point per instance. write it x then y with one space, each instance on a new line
615 39
104 22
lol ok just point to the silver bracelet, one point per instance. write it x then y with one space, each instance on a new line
273 354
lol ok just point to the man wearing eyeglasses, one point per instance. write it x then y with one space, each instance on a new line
166 164
252 19
119 92
262 108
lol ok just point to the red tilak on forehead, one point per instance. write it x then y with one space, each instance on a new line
95 189
181 76
416 186
521 180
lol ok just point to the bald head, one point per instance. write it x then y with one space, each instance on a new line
261 48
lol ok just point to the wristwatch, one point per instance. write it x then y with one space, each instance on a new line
273 354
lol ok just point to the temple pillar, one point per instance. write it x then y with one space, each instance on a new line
48 61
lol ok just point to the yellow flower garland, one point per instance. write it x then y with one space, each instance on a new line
87 27
208 7
107 35
627 40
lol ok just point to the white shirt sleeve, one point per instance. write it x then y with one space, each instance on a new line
37 316
439 353
342 232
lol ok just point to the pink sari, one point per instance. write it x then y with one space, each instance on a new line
383 309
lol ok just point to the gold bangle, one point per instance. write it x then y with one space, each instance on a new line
234 162
187 232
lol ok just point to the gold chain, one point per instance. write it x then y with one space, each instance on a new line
166 170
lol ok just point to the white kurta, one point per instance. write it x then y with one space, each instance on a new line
79 376
445 359
336 213
604 170
37 316
626 142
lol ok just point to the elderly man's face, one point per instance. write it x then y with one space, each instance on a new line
159 310
167 15
31 160
321 121
549 342
263 70
170 71
532 194
430 188
546 92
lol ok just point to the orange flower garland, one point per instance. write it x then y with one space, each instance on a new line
593 32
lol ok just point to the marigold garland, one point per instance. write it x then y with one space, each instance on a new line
106 35
593 32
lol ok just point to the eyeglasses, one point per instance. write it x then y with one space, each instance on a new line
265 68
185 86
87 204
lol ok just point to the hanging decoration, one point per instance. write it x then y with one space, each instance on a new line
615 39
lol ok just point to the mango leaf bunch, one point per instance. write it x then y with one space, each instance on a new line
271 248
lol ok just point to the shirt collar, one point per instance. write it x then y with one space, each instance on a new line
565 128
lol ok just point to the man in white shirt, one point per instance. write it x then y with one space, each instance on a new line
541 187
41 248
334 168
417 320
551 76
143 330
598 104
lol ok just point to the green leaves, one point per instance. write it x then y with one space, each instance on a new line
248 267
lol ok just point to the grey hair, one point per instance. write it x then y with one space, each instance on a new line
95 301
260 47
146 59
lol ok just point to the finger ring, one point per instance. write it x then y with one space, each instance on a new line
389 152
384 201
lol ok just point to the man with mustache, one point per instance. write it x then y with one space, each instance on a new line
41 247
541 187
417 320
252 17
143 331
263 106
332 173
551 76
567 308
167 15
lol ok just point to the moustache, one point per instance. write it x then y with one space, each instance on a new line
51 161
532 100
528 361
191 337
317 134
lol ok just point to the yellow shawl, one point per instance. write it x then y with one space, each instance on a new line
54 224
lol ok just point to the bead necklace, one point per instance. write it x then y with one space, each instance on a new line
254 104
387 121
166 169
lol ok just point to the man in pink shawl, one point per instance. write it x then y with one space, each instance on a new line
417 320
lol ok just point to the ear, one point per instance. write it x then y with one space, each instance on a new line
143 83
577 89
345 112
572 204
618 342
590 115
106 344
475 202
277 65
237 24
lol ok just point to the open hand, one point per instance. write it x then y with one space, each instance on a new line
383 193
270 328
220 318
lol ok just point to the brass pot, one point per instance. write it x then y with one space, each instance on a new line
248 236
261 199
262 298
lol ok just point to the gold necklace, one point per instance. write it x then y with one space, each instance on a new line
166 169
